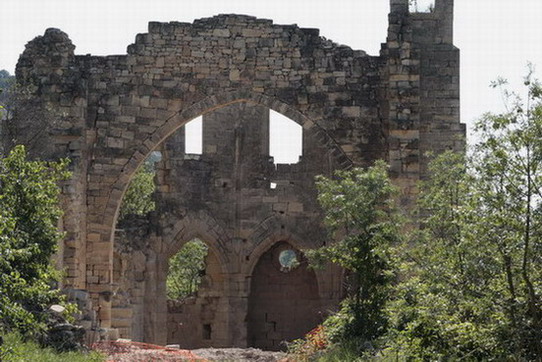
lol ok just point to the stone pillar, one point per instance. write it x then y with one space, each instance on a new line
403 101
445 11
155 307
399 6
48 64
422 92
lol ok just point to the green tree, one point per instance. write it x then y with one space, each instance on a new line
509 165
5 79
359 213
138 197
186 269
29 216
473 273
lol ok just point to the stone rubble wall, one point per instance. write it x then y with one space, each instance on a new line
354 109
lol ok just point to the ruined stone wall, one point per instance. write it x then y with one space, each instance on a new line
231 182
115 110
225 197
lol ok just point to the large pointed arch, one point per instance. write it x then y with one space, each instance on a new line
209 104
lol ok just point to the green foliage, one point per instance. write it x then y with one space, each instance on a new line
5 79
186 269
29 216
138 197
358 210
346 351
473 273
5 82
22 351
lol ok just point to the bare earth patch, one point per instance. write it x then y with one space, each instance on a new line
128 351
239 354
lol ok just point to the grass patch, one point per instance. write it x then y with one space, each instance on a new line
343 352
17 350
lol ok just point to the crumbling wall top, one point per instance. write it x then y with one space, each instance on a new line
53 50
442 14
231 26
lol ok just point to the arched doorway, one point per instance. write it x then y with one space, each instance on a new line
195 289
284 302
224 194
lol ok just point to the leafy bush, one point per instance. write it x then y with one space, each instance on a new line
358 208
29 216
22 351
306 348
472 285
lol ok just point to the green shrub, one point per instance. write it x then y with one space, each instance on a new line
472 275
29 216
358 207
19 350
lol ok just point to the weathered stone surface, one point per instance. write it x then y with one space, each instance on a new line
353 108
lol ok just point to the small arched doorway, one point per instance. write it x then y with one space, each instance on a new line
284 303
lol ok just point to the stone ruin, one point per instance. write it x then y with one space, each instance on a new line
232 69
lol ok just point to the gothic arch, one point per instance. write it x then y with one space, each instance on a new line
181 117
267 234
200 225
283 304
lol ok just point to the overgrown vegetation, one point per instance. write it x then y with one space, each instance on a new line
138 197
24 351
359 210
5 79
29 215
475 270
471 275
186 269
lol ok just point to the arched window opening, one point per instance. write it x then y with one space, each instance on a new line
186 270
285 139
193 135
421 6
138 199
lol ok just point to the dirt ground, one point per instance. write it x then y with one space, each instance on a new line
238 354
128 351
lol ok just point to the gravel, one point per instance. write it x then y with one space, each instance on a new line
238 354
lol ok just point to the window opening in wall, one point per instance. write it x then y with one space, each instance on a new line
137 199
207 330
186 270
273 185
193 135
285 139
288 260
421 6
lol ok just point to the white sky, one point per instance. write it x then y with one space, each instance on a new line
285 138
496 37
